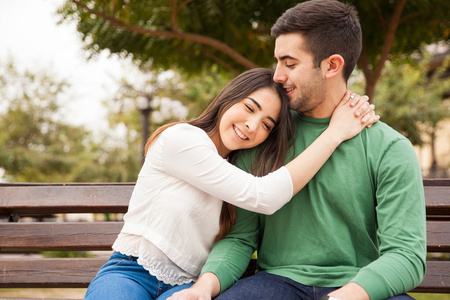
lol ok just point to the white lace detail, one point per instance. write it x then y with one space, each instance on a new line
152 259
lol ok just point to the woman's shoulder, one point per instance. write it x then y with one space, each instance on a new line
183 134
183 130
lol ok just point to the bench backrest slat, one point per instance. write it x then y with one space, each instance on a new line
101 235
65 199
59 235
438 236
107 198
437 200
49 273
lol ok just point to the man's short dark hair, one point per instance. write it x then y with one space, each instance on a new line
328 27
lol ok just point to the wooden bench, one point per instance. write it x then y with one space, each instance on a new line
18 201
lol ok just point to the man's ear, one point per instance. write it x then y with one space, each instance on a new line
333 65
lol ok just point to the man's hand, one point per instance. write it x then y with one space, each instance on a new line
206 287
350 291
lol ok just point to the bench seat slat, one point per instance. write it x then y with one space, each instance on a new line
59 236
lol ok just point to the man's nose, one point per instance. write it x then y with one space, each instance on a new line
279 76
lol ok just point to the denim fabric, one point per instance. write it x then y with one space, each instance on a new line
174 289
123 278
265 286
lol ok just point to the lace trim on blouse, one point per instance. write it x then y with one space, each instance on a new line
152 259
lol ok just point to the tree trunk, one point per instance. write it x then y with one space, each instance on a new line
373 75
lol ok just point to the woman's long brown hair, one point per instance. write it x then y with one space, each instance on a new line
271 154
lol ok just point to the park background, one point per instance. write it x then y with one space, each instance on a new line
83 83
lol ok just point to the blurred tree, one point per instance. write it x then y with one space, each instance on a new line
37 146
412 102
235 34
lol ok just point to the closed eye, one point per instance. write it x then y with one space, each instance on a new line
267 126
249 108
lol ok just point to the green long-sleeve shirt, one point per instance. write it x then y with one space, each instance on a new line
360 219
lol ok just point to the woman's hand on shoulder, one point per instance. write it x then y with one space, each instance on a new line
352 114
365 110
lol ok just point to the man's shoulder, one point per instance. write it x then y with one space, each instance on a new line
384 133
383 142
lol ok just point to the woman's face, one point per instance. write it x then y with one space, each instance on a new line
249 122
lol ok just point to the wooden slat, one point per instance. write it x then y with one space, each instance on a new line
49 272
437 278
52 273
101 235
59 236
65 199
436 182
437 200
438 236
114 198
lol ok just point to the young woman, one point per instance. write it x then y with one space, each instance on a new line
176 211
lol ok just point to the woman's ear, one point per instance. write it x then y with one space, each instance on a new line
333 65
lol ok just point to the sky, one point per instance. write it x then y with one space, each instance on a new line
31 37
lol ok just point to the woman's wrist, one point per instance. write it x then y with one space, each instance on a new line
331 138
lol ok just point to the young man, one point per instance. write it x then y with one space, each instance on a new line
357 230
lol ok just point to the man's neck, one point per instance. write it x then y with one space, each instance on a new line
328 106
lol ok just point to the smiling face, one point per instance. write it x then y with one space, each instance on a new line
249 122
304 82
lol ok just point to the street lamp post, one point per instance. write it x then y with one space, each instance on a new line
145 109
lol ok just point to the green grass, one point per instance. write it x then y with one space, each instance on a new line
419 296
71 254
43 293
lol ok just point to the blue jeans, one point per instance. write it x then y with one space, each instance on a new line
265 286
123 278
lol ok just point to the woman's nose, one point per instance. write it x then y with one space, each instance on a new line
251 124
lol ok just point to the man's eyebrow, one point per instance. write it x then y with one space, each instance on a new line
285 57
259 106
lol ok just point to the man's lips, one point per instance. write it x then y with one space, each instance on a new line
289 89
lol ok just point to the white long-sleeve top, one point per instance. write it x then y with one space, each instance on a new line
173 215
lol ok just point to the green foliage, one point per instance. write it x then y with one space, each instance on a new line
421 22
37 146
410 101
244 26
34 143
154 30
201 90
